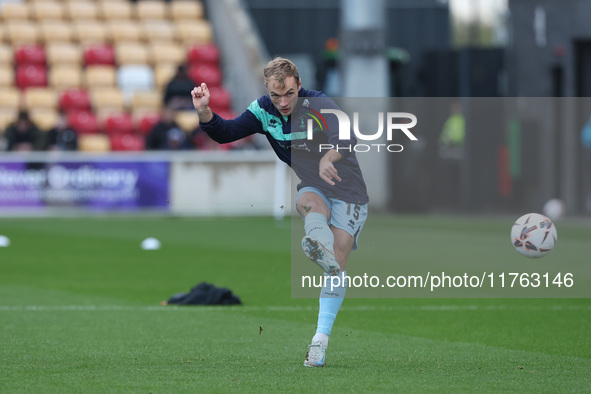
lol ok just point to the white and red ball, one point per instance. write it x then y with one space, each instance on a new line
534 235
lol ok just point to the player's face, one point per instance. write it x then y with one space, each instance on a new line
284 96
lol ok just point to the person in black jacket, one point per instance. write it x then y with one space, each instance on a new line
178 90
167 134
62 136
23 134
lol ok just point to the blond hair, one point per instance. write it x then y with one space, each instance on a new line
280 69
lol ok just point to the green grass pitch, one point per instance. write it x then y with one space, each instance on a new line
79 312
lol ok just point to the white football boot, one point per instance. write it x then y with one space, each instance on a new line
319 254
315 355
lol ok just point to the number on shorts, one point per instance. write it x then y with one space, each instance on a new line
356 210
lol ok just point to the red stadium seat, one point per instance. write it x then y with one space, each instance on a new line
31 76
118 123
74 100
221 100
127 142
99 54
83 122
146 122
227 114
30 55
203 54
209 74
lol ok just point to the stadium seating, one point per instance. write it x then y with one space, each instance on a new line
227 114
44 118
94 143
131 53
124 31
145 120
162 52
15 11
151 10
116 123
19 32
100 76
31 76
187 120
127 142
6 54
150 100
104 63
209 74
9 99
194 32
163 73
221 100
30 55
90 32
99 54
74 100
116 10
7 116
106 99
52 31
6 76
47 10
153 31
203 54
186 9
65 76
40 98
134 77
83 122
63 53
82 10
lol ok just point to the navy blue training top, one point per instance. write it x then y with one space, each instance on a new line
288 138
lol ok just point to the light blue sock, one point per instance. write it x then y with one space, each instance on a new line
317 227
331 301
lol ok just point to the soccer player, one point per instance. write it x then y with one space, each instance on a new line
332 196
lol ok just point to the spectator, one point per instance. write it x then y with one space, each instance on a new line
62 137
23 135
178 90
166 134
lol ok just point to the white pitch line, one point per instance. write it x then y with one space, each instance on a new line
365 308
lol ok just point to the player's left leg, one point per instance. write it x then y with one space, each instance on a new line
347 221
331 298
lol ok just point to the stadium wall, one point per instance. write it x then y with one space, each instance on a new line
237 183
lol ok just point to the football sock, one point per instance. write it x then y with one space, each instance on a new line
330 302
317 227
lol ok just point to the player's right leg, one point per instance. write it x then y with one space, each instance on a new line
318 243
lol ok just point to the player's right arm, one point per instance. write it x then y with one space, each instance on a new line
219 129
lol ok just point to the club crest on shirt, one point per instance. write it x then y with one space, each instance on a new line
302 123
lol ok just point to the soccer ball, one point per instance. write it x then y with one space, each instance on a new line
533 235
554 209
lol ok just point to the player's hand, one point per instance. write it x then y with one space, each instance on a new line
200 95
328 172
